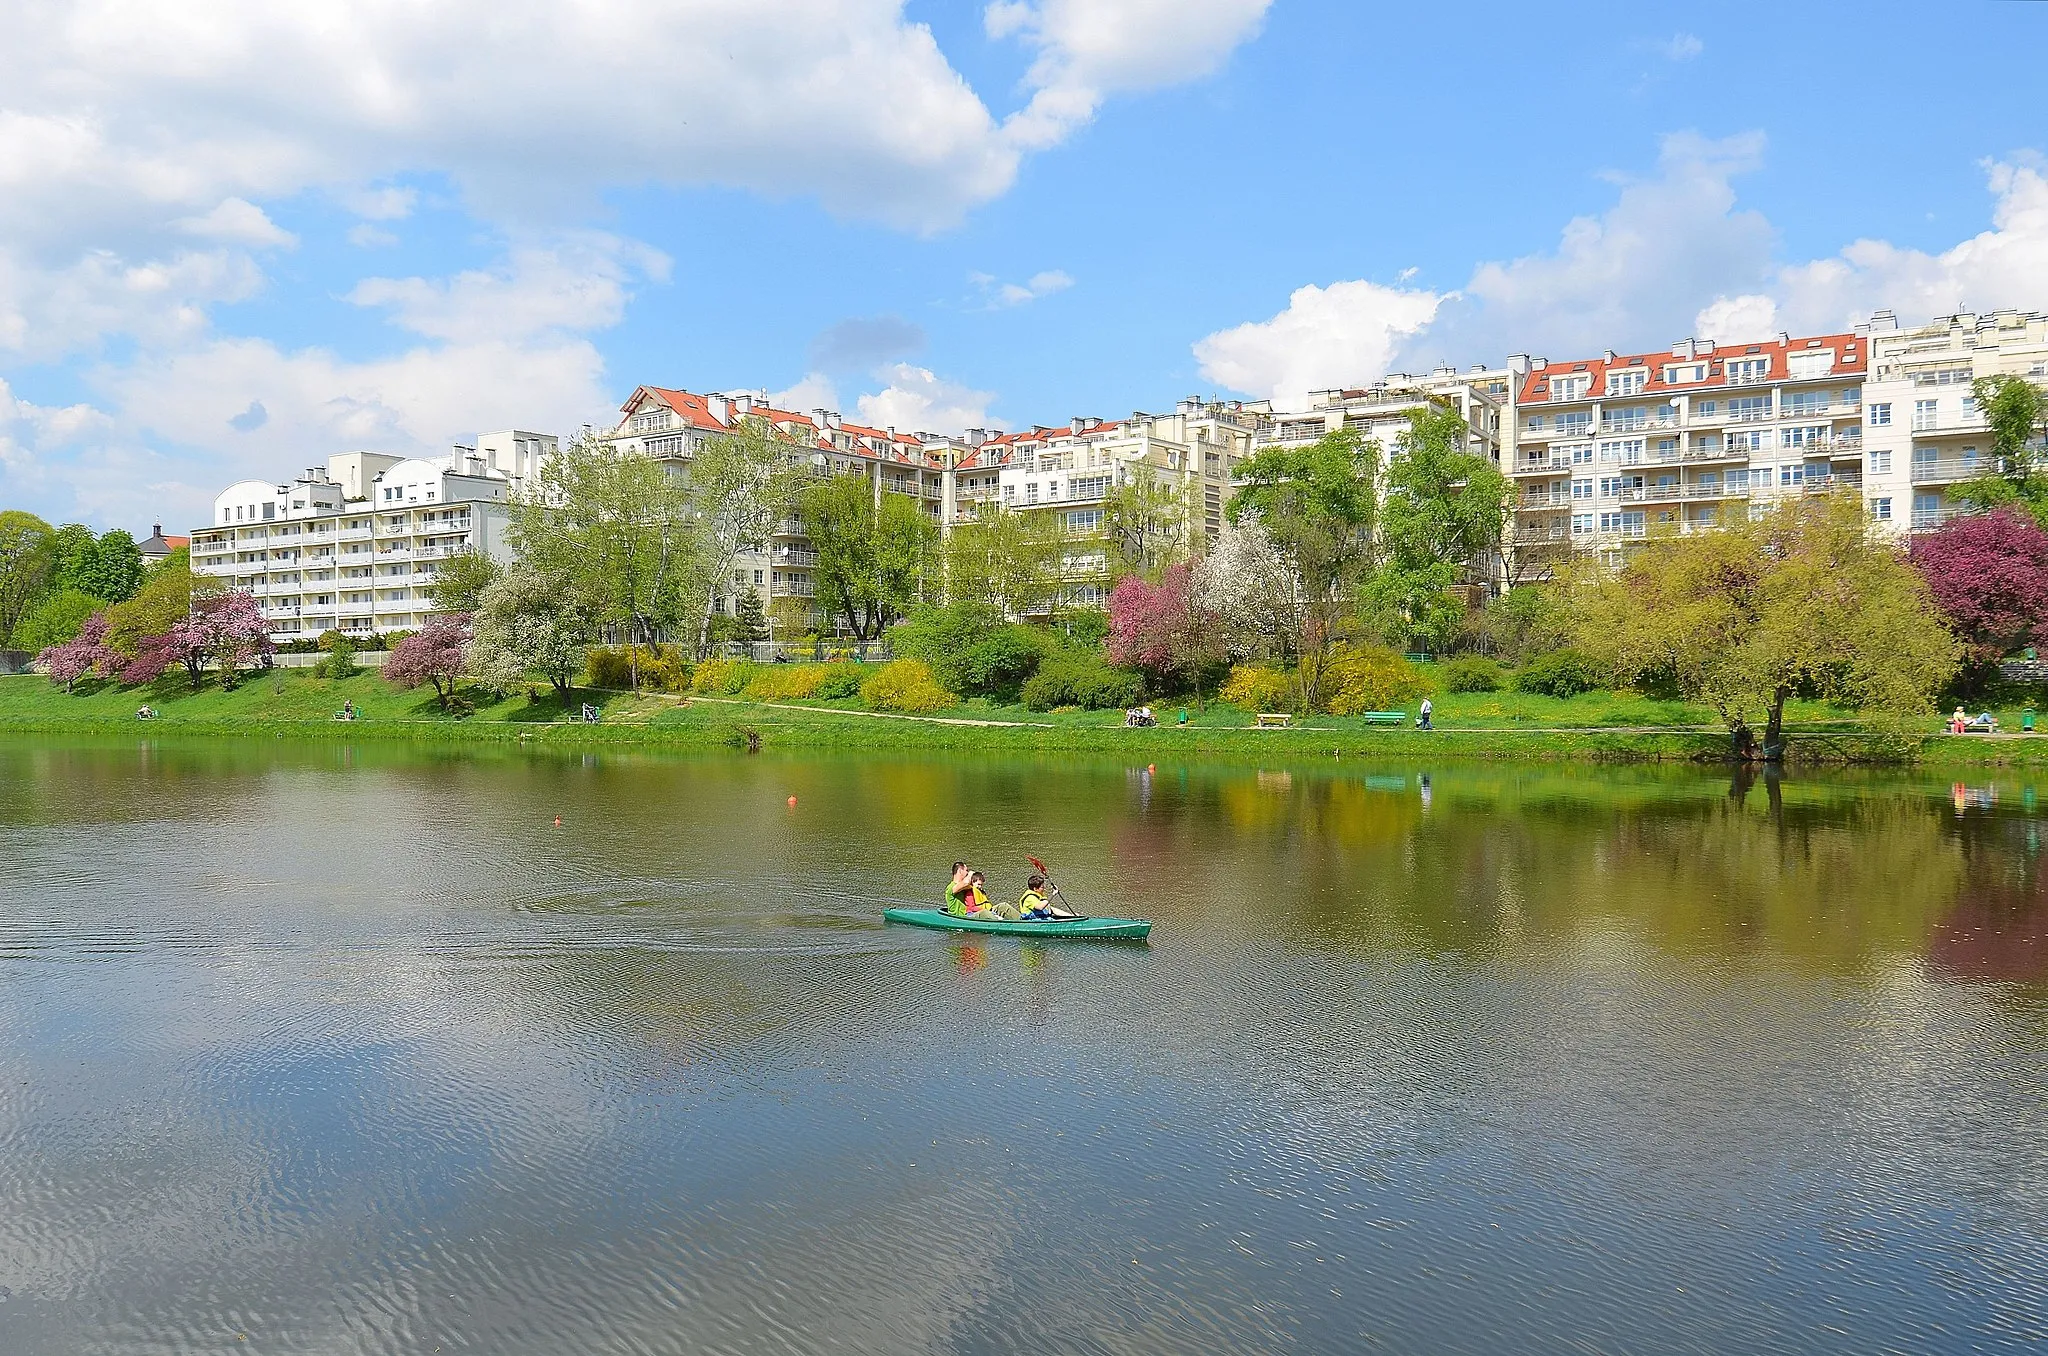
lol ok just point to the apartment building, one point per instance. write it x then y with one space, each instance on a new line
1923 432
1613 449
1384 410
354 545
673 426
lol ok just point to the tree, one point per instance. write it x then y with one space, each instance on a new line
1162 629
1803 600
1315 507
161 603
1147 523
749 618
222 627
1012 562
434 655
86 653
108 567
618 525
1443 510
1989 573
57 619
1251 587
740 483
2017 415
460 582
529 621
872 560
27 556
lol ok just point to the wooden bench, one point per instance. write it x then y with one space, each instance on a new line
1384 717
1274 720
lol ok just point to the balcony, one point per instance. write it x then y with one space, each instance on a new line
793 555
801 588
1636 425
1830 484
1940 469
1926 520
1539 535
1762 416
1761 379
354 534
1547 501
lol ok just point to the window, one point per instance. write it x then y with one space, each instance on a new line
1617 487
1572 424
1750 440
1582 489
1749 409
1792 474
1881 509
269 512
1880 463
1577 454
1089 487
1031 492
1706 408
1817 362
1946 376
1570 387
1879 415
1924 414
1582 524
1806 402
1852 396
1685 373
1622 451
1084 520
757 576
1748 371
1626 383
1807 435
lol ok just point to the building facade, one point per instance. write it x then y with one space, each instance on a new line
1923 432
1614 449
353 546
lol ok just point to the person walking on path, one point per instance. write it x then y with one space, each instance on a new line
1422 721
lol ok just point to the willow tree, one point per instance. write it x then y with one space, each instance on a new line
617 525
1805 600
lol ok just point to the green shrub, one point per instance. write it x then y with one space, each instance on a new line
662 667
341 658
906 685
842 680
1082 680
1258 687
972 650
1369 678
1472 674
1561 673
781 682
723 677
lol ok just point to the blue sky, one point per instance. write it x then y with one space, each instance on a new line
235 241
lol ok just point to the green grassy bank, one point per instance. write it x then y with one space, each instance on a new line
1600 726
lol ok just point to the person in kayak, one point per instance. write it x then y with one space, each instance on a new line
1036 905
959 889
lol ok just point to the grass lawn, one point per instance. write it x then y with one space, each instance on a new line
1598 725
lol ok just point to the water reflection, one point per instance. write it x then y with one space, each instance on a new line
354 1050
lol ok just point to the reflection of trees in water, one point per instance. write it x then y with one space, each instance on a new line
1503 859
1998 928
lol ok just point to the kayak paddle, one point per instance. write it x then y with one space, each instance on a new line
1057 893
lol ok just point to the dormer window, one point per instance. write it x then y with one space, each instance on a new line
1627 383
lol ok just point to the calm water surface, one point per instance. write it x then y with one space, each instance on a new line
352 1051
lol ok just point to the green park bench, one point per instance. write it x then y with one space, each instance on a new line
1384 717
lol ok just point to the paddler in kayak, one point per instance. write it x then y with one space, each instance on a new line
1034 907
966 894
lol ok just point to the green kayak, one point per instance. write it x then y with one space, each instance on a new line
1084 929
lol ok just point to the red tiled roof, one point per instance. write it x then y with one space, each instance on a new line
1852 358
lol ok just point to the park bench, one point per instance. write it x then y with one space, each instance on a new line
1384 717
1274 720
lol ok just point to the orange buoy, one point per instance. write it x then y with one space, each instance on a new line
558 821
792 802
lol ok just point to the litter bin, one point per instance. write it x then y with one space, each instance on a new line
2027 721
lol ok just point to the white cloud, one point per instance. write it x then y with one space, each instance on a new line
1682 46
2006 265
1327 337
1730 320
381 204
815 391
918 399
238 222
997 294
47 312
364 236
579 285
1091 49
1626 279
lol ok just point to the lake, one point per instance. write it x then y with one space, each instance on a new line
352 1050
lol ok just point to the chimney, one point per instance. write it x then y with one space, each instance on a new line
1077 424
1538 364
976 437
1882 322
1518 363
1609 355
1784 338
720 408
743 405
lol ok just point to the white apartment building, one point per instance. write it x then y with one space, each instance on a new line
672 426
1383 411
1922 429
353 546
1613 449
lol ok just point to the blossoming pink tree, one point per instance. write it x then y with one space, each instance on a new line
223 628
1989 573
87 653
436 653
1161 628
